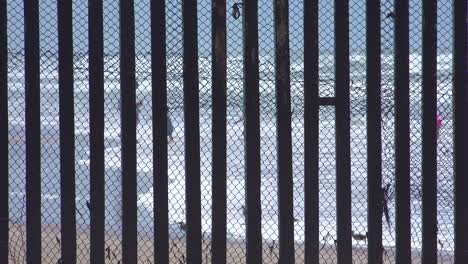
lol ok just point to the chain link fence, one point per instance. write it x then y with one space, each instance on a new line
236 250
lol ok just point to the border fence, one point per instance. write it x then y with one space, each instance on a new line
284 131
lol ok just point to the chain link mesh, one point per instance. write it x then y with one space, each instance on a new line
17 150
236 252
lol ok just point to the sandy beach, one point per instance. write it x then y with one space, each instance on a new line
113 251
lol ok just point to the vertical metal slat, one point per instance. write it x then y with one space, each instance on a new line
96 125
129 171
429 133
252 131
219 131
67 133
284 158
33 132
460 63
192 132
4 206
374 133
311 131
160 162
343 157
402 141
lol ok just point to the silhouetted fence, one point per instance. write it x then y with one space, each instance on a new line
224 132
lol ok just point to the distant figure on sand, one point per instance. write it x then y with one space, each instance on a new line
170 128
138 104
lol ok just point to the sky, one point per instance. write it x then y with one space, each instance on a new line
48 26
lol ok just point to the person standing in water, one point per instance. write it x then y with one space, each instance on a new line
170 129
139 104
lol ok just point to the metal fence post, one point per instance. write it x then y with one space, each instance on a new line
343 151
311 131
129 170
374 133
192 131
33 132
159 118
252 131
219 160
4 206
429 131
283 128
402 139
460 63
67 132
96 130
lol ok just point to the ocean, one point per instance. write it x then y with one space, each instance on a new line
235 153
